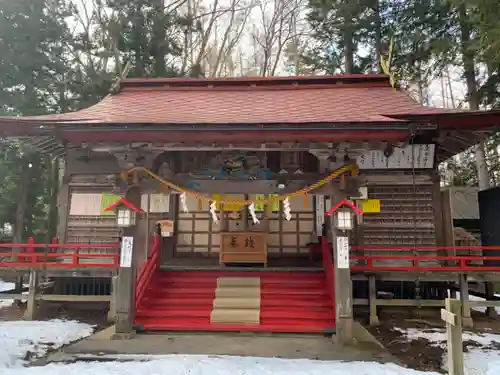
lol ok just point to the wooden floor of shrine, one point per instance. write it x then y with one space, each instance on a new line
292 264
273 262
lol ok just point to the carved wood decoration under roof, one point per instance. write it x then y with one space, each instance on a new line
342 108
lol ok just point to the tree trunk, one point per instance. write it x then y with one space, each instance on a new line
468 62
158 42
378 36
348 51
54 190
19 225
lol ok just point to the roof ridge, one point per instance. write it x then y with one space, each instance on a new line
368 79
250 88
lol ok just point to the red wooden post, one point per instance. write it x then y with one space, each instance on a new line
53 241
75 257
370 263
156 243
463 264
116 259
31 250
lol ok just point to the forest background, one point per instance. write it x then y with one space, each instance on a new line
63 55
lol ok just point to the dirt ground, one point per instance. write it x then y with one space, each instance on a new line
62 310
418 354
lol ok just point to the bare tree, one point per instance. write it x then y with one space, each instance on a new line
219 26
234 30
277 27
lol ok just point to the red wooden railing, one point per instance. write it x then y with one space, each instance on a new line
147 270
25 255
328 267
448 259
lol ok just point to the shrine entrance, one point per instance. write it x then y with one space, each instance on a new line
235 239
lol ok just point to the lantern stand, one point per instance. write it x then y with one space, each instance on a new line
344 219
125 217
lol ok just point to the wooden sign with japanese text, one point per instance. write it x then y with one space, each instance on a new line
126 251
243 247
418 157
342 252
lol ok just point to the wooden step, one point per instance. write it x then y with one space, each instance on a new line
194 325
237 301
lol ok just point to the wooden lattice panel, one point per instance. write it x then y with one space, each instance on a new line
197 233
406 219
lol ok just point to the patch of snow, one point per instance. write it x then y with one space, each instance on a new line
477 308
438 336
5 287
6 302
22 339
483 359
219 365
479 362
481 309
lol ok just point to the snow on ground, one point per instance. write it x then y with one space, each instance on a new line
20 340
477 308
5 286
480 309
219 365
8 286
482 357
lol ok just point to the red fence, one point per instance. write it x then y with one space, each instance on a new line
54 255
443 258
147 270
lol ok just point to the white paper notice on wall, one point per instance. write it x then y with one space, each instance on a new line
342 252
126 251
158 203
320 213
420 157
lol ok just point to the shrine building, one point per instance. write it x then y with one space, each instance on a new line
254 203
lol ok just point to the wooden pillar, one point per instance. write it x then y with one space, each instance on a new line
31 307
169 243
448 234
63 205
127 276
244 216
342 280
224 219
439 221
372 292
18 288
342 276
113 302
490 294
464 296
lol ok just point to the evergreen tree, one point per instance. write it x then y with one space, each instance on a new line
150 37
33 41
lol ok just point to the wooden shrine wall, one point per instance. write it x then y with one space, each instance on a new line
88 223
407 214
198 235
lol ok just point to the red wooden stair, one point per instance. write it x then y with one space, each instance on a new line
289 302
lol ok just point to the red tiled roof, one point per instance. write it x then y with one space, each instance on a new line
270 100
